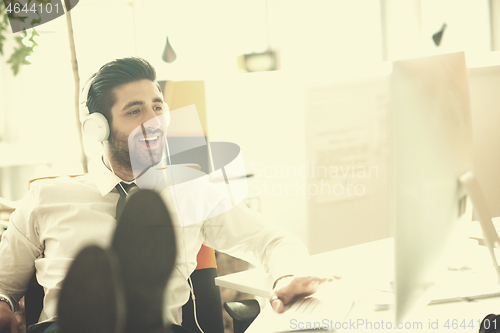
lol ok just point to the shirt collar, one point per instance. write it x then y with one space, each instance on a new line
106 180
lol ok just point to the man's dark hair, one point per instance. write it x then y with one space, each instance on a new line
115 73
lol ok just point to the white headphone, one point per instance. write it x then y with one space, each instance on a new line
94 125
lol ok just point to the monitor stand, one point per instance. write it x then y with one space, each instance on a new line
482 213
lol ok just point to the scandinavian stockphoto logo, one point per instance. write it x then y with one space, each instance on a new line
24 14
171 151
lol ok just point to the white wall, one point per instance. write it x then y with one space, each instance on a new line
485 104
263 114
268 115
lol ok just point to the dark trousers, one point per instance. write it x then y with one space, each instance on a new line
52 327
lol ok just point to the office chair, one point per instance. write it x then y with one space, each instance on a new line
208 301
243 313
207 294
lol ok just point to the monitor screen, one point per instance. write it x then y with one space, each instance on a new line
431 143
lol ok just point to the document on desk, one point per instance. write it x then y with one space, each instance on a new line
330 305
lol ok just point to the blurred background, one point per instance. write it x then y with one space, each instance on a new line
301 86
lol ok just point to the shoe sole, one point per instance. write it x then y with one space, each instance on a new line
145 245
91 298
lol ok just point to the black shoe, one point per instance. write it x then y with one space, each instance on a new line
91 298
144 243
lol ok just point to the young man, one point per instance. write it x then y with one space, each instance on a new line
58 218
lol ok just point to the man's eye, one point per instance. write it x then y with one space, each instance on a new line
134 112
158 108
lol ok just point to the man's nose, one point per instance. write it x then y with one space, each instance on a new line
152 120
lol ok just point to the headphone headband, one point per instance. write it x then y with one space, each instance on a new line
84 111
94 125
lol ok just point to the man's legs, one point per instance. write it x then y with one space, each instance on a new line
137 267
144 243
92 295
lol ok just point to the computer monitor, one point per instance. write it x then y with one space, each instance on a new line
431 143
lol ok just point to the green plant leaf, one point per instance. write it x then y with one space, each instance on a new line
21 51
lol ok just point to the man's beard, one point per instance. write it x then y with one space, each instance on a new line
136 158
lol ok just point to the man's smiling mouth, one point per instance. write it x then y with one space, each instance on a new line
149 139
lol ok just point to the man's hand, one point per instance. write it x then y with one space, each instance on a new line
7 319
288 288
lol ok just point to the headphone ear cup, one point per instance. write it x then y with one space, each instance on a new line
96 127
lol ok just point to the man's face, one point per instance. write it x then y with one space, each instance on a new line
138 128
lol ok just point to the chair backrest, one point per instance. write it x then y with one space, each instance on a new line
49 177
208 299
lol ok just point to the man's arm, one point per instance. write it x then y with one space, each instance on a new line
7 318
244 233
18 250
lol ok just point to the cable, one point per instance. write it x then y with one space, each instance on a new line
188 280
186 277
194 304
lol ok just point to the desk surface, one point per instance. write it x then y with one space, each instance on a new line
369 261
367 265
355 262
448 317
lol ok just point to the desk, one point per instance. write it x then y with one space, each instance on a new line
354 262
369 265
450 317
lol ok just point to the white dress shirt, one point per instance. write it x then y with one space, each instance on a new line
58 217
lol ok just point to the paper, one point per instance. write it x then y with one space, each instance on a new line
346 128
